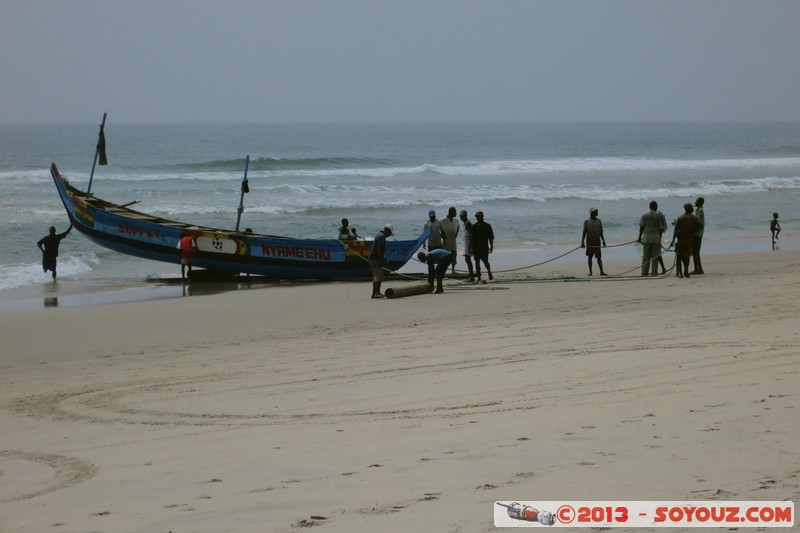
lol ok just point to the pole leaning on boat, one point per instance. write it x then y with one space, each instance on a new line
245 188
99 152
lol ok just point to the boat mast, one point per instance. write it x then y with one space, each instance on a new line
245 188
96 154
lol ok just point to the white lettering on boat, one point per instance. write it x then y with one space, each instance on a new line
296 252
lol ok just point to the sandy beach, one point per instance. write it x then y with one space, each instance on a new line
312 405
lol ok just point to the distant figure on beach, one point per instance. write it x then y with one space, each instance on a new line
49 247
438 260
686 227
435 238
377 258
651 227
466 242
187 247
450 227
661 252
698 236
775 228
591 238
482 244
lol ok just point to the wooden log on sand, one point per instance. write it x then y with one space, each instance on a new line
413 290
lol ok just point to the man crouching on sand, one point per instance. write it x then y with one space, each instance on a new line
438 260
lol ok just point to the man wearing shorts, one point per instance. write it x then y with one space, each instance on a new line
591 239
377 259
187 247
686 226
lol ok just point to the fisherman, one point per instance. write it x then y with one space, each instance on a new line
651 227
697 241
450 226
482 244
377 259
187 246
466 243
686 227
49 247
435 238
591 239
438 260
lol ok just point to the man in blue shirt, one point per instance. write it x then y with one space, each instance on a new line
438 260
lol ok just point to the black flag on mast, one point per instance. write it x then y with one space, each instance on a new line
101 147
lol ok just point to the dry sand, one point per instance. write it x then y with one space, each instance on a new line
290 407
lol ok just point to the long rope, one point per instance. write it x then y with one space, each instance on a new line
620 276
615 277
553 259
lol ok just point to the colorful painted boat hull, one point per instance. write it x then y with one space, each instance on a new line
138 234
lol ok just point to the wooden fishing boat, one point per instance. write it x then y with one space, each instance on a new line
131 232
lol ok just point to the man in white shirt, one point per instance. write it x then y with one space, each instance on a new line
450 226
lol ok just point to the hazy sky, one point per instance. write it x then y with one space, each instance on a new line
403 60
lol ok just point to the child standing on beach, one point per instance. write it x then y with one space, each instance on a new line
775 228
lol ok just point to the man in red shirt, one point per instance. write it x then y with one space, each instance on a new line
686 226
187 247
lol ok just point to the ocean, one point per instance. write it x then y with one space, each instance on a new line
534 182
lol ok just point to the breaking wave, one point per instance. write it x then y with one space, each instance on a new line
337 167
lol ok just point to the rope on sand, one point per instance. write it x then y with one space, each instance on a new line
623 276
